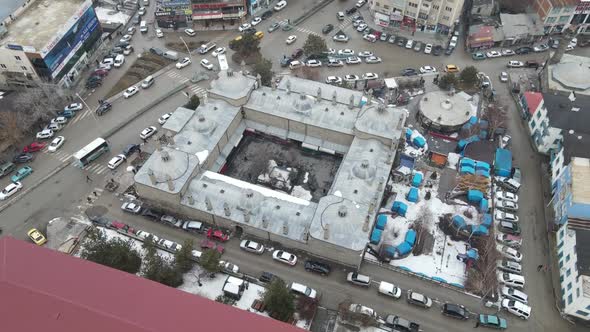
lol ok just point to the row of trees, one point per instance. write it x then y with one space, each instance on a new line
468 76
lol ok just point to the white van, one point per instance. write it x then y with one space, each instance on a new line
303 290
119 60
295 64
171 55
207 47
517 308
514 294
143 27
147 82
511 279
388 289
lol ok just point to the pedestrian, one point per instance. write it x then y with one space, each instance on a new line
97 62
477 324
88 179
539 267
89 199
144 140
95 194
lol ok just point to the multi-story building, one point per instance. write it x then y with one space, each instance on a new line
216 11
558 15
174 14
571 203
49 42
484 7
417 15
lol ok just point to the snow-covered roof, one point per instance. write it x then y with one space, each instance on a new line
167 170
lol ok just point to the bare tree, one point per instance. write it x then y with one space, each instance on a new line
496 116
12 130
308 73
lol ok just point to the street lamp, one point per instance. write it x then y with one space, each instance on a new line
187 49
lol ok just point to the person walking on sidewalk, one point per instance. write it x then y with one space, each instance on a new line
539 267
88 179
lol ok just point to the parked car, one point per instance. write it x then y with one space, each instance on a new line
217 234
400 324
506 196
507 205
455 311
507 52
511 279
334 80
327 29
509 227
273 27
428 49
280 5
492 321
390 289
317 267
427 70
159 33
74 107
301 289
36 236
503 76
56 143
509 266
45 134
358 279
523 50
267 277
183 63
251 246
517 308
22 158
229 267
131 207
206 64
509 240
505 216
116 161
514 294
34 147
284 257
370 76
130 92
373 59
509 252
418 299
478 56
130 149
409 72
341 37
291 39
335 63
351 78
162 120
541 48
218 51
22 173
515 64
313 63
10 190
152 214
493 54
148 132
210 245
170 245
353 60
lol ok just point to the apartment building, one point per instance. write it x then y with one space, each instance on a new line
558 15
417 15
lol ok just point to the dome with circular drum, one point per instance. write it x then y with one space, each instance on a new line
202 124
444 111
303 104
364 170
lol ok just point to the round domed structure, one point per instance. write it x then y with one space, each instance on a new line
444 111
303 105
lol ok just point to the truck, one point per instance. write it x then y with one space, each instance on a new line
172 55
206 47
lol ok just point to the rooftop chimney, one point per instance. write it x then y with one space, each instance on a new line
191 200
226 209
264 221
334 98
342 211
152 176
326 231
366 224
208 203
351 102
246 216
288 85
285 228
169 182
319 95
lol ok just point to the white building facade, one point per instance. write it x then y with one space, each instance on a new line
544 136
15 67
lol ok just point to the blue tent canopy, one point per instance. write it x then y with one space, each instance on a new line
483 134
473 120
484 205
487 220
419 141
376 236
389 251
417 179
439 279
408 133
480 231
482 165
404 249
413 195
405 268
400 207
483 172
466 170
467 161
457 285
474 196
381 222
459 222
483 124
411 237
473 254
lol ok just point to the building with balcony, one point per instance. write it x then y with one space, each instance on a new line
558 15
227 12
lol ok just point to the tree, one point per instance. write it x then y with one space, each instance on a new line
247 46
314 45
12 128
193 102
210 260
279 300
184 256
159 269
447 81
115 253
308 73
263 67
306 307
496 117
469 75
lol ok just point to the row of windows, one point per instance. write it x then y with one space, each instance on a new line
3 66
411 4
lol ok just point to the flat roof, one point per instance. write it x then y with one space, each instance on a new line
581 180
8 7
41 22
445 108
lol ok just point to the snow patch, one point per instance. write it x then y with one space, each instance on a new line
453 159
300 192
202 155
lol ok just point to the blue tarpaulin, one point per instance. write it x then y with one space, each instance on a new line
467 162
417 179
503 162
482 165
400 207
483 172
419 141
473 120
463 143
411 237
439 279
487 220
483 124
473 254
480 231
484 205
483 134
408 133
389 251
381 222
404 249
467 170
406 161
474 196
376 236
413 195
459 222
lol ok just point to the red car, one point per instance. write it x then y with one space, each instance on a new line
206 244
122 227
217 234
101 72
34 147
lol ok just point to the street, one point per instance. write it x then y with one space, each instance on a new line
64 193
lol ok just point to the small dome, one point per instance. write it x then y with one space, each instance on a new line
202 124
303 105
364 170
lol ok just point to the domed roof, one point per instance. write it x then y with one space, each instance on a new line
168 163
572 74
303 105
202 124
364 170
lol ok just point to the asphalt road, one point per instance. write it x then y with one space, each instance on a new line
64 193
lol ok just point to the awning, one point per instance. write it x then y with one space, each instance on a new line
390 83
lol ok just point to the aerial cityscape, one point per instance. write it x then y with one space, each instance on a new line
320 165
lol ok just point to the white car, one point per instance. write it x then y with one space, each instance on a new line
284 257
291 39
244 26
205 63
218 51
229 267
503 76
130 92
427 70
574 42
45 134
108 61
353 60
409 44
505 216
280 5
507 52
56 143
10 190
252 246
514 294
509 253
335 80
428 49
183 63
131 207
141 11
341 38
517 308
453 42
147 132
190 32
361 27
569 47
541 48
360 3
370 76
515 64
346 51
373 59
330 51
506 196
507 205
125 39
255 21
74 107
159 33
351 78
116 161
493 54
131 30
59 120
296 64
335 63
162 120
313 63
143 235
364 54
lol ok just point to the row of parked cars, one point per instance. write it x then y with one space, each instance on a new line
509 268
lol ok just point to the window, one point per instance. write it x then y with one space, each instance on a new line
588 307
564 19
411 4
560 254
23 68
386 6
560 264
377 4
3 65
560 278
567 258
533 124
479 10
561 232
569 286
17 57
578 292
568 272
551 20
436 7
582 313
449 9
555 10
559 247
569 299
538 115
446 18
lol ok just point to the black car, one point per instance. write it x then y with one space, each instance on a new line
449 50
318 267
437 50
117 50
101 221
136 19
22 158
400 324
94 78
327 29
409 72
122 44
266 14
523 50
455 311
156 51
401 41
350 11
130 149
267 277
249 31
92 85
152 214
320 57
103 108
357 17
297 53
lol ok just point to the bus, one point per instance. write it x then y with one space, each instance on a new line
90 152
